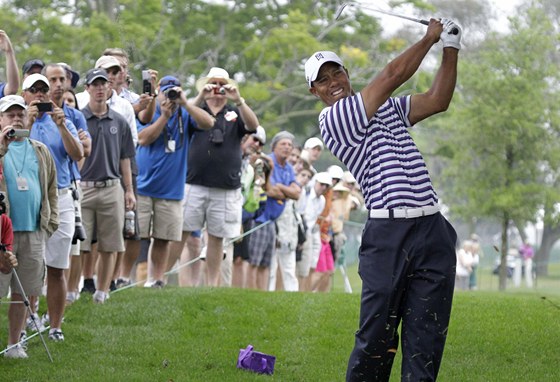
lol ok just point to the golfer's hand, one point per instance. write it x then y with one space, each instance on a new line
449 39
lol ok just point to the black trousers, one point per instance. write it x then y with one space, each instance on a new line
407 267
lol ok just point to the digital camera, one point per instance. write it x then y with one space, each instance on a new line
219 90
171 94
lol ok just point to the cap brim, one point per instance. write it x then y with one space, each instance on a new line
90 81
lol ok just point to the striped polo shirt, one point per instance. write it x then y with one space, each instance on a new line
380 153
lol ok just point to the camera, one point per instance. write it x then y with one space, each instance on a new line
146 84
79 231
219 90
217 136
44 107
171 94
14 133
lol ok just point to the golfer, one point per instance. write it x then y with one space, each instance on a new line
407 256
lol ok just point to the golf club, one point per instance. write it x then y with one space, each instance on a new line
369 8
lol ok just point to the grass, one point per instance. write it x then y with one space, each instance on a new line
183 334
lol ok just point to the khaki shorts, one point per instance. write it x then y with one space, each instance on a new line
103 208
159 218
29 248
310 254
57 252
219 208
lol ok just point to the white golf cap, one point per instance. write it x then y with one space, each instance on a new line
335 171
32 79
11 100
324 178
260 134
348 177
107 62
314 63
313 142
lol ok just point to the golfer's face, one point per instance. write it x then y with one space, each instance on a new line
332 83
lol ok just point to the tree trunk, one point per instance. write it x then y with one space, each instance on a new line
549 237
503 255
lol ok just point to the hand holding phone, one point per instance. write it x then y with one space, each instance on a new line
146 82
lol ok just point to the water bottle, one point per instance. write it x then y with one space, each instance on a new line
129 226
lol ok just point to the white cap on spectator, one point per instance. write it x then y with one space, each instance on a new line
107 62
32 79
336 171
11 100
313 142
260 134
324 178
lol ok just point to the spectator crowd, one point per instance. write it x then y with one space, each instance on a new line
107 187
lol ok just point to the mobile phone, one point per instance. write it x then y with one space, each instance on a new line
146 82
44 106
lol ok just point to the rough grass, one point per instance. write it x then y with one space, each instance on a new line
179 334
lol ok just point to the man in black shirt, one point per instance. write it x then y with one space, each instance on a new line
213 191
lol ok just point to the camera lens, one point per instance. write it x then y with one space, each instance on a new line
172 94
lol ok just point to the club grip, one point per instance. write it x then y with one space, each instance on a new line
454 31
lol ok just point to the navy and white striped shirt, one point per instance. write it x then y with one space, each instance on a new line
380 153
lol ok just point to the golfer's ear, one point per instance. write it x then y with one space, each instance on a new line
313 91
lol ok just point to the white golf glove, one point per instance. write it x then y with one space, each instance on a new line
448 36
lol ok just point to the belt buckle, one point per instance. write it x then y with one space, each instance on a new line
101 184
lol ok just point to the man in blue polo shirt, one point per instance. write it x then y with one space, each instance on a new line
162 170
60 136
57 74
282 185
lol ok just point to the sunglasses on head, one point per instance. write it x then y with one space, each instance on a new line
34 90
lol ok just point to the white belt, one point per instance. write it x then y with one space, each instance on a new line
404 213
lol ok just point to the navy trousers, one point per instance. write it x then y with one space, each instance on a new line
407 267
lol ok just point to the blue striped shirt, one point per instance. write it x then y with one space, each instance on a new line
380 153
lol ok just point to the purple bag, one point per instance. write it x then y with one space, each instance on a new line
254 361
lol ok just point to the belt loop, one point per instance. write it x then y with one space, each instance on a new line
391 214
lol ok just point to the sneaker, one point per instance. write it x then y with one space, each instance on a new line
16 351
45 320
56 335
122 283
99 297
23 340
72 297
158 284
31 325
89 286
113 286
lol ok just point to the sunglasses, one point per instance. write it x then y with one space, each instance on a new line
257 141
34 90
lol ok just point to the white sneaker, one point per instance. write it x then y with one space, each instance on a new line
15 351
31 325
71 297
23 340
100 297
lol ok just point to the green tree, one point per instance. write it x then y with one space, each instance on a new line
502 142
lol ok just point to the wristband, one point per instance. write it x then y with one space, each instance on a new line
241 102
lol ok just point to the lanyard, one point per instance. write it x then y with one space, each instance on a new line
18 172
167 136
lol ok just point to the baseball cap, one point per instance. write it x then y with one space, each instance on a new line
31 63
313 142
314 63
260 134
32 79
94 74
168 82
107 62
336 171
324 178
75 75
341 187
11 100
